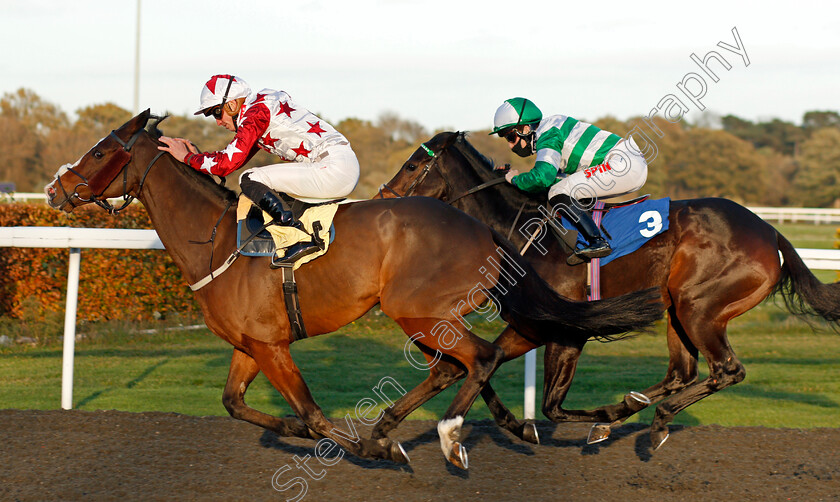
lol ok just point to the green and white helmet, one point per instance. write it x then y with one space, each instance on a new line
514 112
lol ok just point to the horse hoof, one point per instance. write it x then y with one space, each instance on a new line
398 454
458 456
529 434
639 397
658 438
598 433
395 451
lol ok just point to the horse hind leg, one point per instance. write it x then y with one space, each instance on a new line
243 370
442 374
682 371
480 358
724 370
524 430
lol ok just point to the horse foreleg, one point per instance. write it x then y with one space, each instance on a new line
243 370
275 361
513 345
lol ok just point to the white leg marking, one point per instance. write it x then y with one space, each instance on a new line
449 430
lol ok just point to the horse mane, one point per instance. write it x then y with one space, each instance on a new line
197 180
152 125
483 167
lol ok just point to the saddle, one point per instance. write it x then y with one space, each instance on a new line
257 236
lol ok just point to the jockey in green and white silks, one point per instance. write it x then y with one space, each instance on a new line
575 160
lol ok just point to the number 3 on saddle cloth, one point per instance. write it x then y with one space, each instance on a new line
316 219
629 225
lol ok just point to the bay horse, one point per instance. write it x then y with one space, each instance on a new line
419 258
715 262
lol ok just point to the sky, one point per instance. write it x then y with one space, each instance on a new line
447 64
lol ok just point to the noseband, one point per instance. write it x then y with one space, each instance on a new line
103 202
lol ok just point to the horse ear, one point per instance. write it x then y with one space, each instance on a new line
451 138
143 118
134 124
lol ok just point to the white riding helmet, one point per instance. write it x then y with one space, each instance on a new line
219 90
514 112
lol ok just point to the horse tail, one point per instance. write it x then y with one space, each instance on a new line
536 310
802 292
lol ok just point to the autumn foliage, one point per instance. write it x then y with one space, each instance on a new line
124 284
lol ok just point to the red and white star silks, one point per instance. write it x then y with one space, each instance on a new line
272 121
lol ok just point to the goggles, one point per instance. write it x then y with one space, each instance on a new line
216 111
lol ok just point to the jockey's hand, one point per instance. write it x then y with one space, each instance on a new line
177 147
502 169
510 174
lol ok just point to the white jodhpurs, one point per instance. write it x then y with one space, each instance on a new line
330 176
624 170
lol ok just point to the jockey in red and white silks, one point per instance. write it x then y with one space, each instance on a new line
320 163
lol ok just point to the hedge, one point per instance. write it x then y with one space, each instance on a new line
114 284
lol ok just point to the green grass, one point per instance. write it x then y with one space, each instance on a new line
804 235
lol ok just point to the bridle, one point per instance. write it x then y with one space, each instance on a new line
433 162
419 179
103 202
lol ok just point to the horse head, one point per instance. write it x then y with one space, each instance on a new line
422 174
449 168
91 179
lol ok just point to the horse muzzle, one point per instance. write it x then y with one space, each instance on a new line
58 198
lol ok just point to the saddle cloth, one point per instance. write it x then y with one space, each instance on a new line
629 227
283 237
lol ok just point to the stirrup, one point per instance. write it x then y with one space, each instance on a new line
294 253
596 250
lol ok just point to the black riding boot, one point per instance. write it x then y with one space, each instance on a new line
273 205
598 246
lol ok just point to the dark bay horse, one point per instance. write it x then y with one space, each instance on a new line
715 262
426 264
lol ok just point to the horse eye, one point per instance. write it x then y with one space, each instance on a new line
410 167
97 154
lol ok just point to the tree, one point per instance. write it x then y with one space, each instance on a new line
98 120
778 174
26 125
19 148
32 111
814 120
403 130
777 134
716 163
818 176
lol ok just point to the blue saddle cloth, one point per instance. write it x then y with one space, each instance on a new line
630 226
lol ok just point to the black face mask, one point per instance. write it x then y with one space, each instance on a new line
528 149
